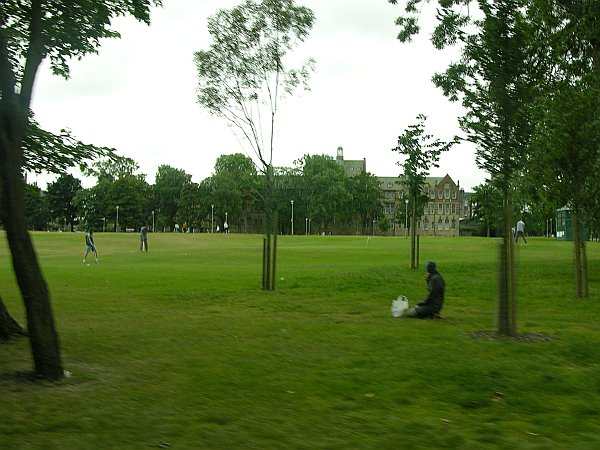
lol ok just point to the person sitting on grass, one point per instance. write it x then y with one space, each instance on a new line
432 305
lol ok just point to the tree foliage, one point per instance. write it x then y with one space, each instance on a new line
245 72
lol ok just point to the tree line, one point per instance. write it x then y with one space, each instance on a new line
324 198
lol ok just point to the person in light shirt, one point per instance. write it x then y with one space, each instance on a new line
520 231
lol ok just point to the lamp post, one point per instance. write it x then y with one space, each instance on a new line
103 224
212 218
460 219
306 225
117 224
153 221
226 225
373 227
292 202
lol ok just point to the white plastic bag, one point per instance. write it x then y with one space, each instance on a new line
399 306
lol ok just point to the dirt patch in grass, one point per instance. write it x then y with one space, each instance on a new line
525 337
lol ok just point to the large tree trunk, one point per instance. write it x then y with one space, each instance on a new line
581 282
40 320
507 310
9 327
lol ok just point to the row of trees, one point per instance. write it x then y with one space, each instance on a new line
317 184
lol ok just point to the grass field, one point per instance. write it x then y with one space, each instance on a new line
181 348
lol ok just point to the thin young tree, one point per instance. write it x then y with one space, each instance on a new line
32 31
246 73
421 152
495 81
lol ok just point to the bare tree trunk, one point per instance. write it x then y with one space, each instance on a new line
9 327
44 342
580 258
271 229
413 236
507 310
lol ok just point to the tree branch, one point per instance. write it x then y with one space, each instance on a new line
34 54
7 76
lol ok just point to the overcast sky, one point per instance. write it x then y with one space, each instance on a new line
138 94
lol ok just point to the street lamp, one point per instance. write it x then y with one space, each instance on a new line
103 224
292 202
212 218
306 225
153 221
460 219
117 224
373 227
226 225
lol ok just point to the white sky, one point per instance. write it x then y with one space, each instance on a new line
138 94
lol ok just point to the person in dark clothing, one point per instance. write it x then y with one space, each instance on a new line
432 305
144 239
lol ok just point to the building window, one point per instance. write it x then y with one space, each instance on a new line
446 193
454 194
439 194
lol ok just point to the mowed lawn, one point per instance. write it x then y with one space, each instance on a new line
181 348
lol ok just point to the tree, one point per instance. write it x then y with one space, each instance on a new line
194 205
118 185
487 200
366 198
37 212
245 74
325 188
495 79
168 187
61 196
421 152
31 31
235 185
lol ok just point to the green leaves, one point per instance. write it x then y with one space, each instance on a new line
244 74
69 29
421 152
55 153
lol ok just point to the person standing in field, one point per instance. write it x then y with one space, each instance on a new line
520 231
144 239
90 246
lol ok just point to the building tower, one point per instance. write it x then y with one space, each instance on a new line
340 153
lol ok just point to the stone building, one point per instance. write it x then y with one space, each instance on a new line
351 167
447 202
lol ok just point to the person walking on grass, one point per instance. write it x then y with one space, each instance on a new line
432 305
144 239
90 246
520 231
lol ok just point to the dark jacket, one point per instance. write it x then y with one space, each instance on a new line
436 286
